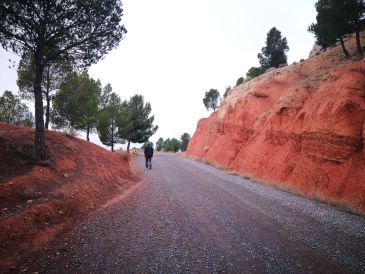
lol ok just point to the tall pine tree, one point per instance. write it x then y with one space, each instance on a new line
135 123
108 118
274 54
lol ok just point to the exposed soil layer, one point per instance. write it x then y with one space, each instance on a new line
189 217
37 201
300 128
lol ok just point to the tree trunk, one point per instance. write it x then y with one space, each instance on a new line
87 133
40 145
112 136
48 99
47 111
358 43
129 145
347 55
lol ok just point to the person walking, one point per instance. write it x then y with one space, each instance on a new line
148 154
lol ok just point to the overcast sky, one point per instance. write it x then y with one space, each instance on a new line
177 50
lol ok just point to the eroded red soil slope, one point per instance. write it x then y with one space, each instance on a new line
300 127
37 201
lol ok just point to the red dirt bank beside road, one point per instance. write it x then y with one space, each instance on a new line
300 128
36 202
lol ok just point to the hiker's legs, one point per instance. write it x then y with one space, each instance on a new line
148 162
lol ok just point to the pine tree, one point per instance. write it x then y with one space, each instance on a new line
135 123
76 105
54 74
108 117
211 99
159 144
274 54
184 141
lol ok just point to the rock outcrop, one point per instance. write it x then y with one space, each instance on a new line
300 128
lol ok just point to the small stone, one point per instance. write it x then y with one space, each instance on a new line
30 201
10 183
60 212
41 170
58 253
65 175
5 209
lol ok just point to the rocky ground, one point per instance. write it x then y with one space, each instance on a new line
189 217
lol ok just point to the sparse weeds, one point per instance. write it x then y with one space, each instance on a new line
27 192
128 157
71 132
247 176
125 155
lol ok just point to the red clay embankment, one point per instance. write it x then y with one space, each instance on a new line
37 202
300 128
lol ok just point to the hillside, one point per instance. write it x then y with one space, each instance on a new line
300 128
37 202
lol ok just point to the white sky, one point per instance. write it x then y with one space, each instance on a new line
177 50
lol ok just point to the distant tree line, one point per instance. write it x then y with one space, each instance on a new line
173 144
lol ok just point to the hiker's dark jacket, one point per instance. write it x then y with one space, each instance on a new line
148 151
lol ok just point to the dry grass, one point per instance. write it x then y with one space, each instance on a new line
134 173
129 157
26 192
71 132
125 155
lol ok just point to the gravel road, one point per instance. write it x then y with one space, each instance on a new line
189 217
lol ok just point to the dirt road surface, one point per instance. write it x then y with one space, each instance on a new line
189 217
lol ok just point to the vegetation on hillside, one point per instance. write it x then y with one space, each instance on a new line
211 99
13 111
274 53
335 19
50 31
